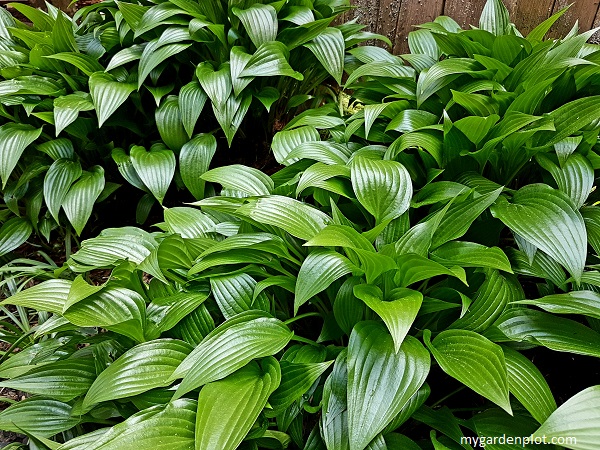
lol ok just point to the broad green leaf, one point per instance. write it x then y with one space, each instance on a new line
546 218
14 139
473 360
108 94
414 268
577 418
169 426
441 74
574 176
125 56
143 367
228 408
270 59
191 103
286 141
372 361
216 83
556 333
267 96
296 380
538 33
38 416
410 120
78 203
528 385
334 419
169 124
13 233
260 22
61 380
153 55
190 223
166 312
329 48
320 268
340 236
384 188
86 63
48 296
576 302
238 59
155 168
246 179
249 335
299 219
398 311
194 159
233 293
68 107
494 18
470 254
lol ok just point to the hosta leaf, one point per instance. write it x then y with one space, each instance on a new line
86 63
191 102
577 418
470 254
169 124
144 367
228 408
169 426
14 139
153 55
155 168
267 96
124 56
48 296
296 380
556 333
297 218
441 74
13 233
373 362
384 188
334 420
216 83
576 302
270 59
127 170
340 236
38 416
574 177
398 311
414 268
246 179
528 385
260 22
320 268
494 18
108 94
233 293
230 346
61 380
329 48
166 312
68 107
190 223
286 141
546 218
410 120
194 159
78 203
238 59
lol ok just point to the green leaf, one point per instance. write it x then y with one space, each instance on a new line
13 233
528 385
108 94
270 59
398 311
79 202
494 18
241 178
384 188
228 408
329 48
320 268
299 219
410 120
86 63
574 176
555 333
441 74
340 236
267 96
171 426
372 361
68 107
576 302
61 380
169 124
48 296
334 419
238 340
194 159
153 55
143 367
286 141
470 254
125 56
546 218
260 22
578 418
233 293
14 139
155 168
190 223
191 103
538 33
216 83
473 360
38 416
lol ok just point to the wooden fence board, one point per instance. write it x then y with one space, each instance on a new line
396 18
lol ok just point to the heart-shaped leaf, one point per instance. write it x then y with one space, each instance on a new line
155 168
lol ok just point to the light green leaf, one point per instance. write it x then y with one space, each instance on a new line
68 107
108 94
194 159
153 55
190 223
329 48
574 176
13 233
14 139
398 311
38 416
470 254
228 408
575 302
270 59
473 360
169 124
79 202
246 179
216 83
260 22
384 188
191 103
155 168
145 366
286 141
494 18
372 361
48 296
296 380
546 218
320 268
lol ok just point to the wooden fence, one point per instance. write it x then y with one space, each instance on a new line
396 18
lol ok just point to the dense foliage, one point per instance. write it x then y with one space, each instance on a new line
434 223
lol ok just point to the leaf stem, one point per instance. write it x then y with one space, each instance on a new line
302 316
